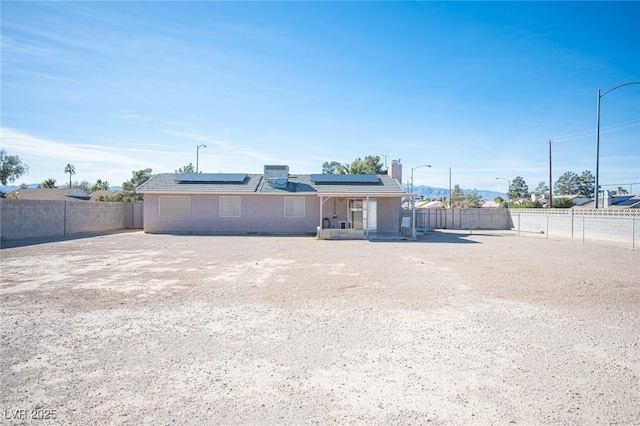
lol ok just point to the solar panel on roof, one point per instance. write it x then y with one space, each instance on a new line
342 179
211 178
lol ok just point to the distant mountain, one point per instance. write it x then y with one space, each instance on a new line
432 192
9 188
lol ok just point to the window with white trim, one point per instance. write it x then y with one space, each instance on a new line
174 206
294 207
229 206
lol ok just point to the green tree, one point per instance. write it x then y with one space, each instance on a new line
100 185
457 197
186 169
356 167
473 200
332 168
500 202
562 203
129 187
586 184
71 169
527 205
371 165
83 186
567 184
48 183
518 188
11 167
541 189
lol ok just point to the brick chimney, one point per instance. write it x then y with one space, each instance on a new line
395 170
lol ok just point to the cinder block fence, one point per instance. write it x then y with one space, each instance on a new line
620 226
46 218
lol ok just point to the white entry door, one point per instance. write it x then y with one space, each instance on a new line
363 214
371 211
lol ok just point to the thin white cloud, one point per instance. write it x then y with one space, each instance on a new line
603 130
132 115
46 158
24 144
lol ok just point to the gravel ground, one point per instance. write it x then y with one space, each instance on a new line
488 328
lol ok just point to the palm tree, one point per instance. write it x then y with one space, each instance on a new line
71 169
48 183
621 191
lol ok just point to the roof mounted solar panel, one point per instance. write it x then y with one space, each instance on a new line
211 178
344 179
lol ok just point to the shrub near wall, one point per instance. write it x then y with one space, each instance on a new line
45 218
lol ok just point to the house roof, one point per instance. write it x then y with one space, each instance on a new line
382 185
64 194
617 202
166 182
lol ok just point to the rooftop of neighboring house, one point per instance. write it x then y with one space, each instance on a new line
617 202
62 194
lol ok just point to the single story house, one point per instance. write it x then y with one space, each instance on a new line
275 202
60 194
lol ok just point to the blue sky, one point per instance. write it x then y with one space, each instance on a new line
480 87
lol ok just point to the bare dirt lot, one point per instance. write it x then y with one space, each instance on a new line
489 328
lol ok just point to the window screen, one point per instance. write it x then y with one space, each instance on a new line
174 206
293 207
229 206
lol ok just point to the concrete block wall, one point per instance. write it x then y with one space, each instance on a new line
46 218
613 225
462 218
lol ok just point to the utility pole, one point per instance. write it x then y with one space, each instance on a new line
550 181
449 187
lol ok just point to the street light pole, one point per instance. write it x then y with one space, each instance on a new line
596 190
198 155
412 169
508 189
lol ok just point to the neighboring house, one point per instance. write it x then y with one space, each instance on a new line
429 204
275 202
610 201
489 204
61 194
579 200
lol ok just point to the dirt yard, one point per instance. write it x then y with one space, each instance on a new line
489 328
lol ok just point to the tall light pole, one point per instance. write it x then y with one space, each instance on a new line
385 160
600 95
198 155
412 169
449 187
508 189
